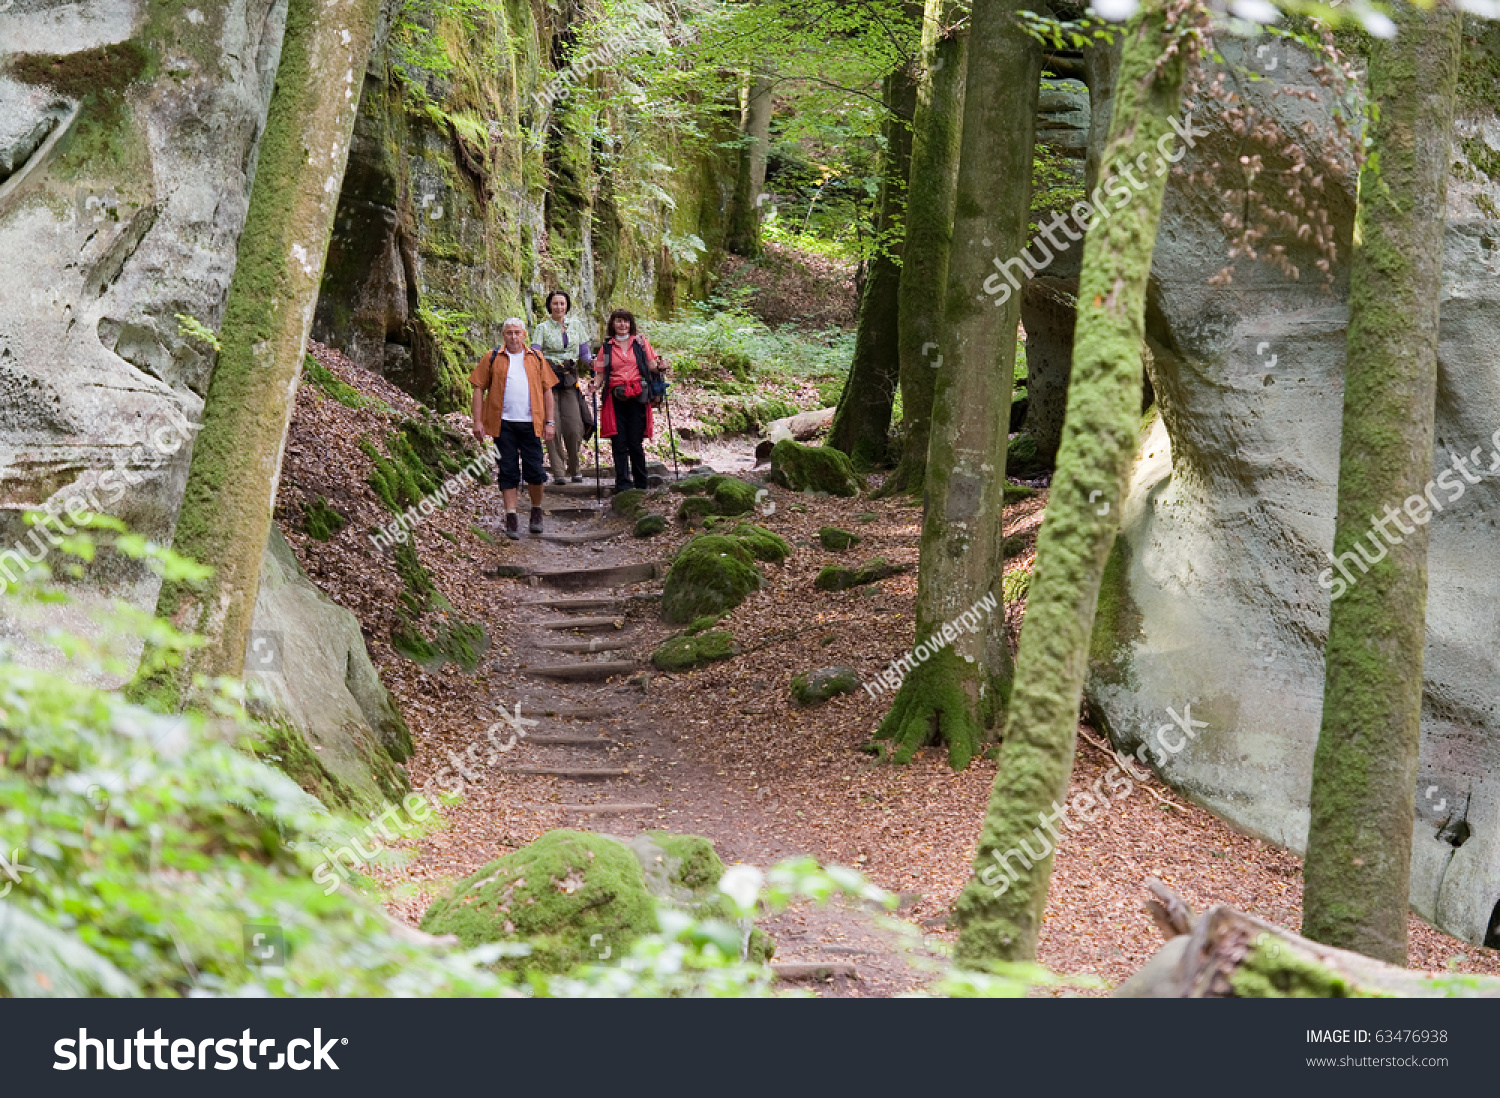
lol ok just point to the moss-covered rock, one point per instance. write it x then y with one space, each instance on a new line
685 871
1021 456
648 526
707 621
814 687
763 544
1013 546
686 652
813 469
710 574
733 496
836 541
629 504
696 507
692 486
836 578
1015 493
866 516
565 895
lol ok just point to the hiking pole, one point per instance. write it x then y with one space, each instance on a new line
598 489
667 403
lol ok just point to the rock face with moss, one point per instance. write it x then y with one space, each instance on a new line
686 653
469 195
337 730
813 469
570 894
814 687
1219 590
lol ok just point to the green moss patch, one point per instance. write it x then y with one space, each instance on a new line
1015 493
685 653
648 526
763 544
1015 585
321 521
813 469
629 504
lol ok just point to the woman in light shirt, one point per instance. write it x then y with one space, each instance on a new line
562 339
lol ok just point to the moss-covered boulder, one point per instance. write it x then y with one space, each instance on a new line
733 496
707 621
1015 493
1014 546
835 578
813 469
836 541
815 687
648 526
629 504
566 895
692 486
686 652
763 544
696 507
1021 456
571 894
710 574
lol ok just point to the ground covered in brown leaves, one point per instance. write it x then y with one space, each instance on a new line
725 752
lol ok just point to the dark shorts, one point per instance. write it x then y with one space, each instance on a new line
520 455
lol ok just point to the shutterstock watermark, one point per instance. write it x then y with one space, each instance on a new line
451 777
396 531
891 677
1419 507
417 806
1090 806
1017 269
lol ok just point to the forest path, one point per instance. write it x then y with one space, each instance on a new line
571 650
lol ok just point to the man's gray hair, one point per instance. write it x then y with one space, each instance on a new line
513 320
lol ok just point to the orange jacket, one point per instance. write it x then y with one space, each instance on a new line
489 378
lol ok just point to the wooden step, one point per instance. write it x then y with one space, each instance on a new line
579 491
571 741
573 512
582 623
580 773
582 539
582 604
584 672
813 970
580 579
597 644
608 809
588 712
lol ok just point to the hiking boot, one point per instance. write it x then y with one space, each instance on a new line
513 526
559 480
536 520
577 480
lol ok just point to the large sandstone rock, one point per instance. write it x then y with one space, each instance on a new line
338 730
1213 598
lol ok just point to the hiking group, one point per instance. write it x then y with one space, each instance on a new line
527 394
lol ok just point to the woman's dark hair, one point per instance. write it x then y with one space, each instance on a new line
547 305
619 314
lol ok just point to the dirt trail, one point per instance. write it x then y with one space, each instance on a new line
598 757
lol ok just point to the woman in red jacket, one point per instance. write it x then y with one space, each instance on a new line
621 371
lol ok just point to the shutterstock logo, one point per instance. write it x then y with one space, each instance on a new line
186 1054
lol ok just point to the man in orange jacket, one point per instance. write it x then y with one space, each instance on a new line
513 405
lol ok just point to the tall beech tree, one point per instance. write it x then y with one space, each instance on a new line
1356 875
231 488
862 421
936 129
1000 910
957 695
743 234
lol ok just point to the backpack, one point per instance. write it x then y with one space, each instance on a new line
653 384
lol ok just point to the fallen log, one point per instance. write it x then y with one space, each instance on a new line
1230 955
800 427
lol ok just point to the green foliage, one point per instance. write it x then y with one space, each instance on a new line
192 328
718 338
1015 585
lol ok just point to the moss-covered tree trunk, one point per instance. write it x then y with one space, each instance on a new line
936 129
231 488
1000 910
863 419
1365 769
957 696
743 234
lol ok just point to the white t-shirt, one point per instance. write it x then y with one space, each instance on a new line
517 407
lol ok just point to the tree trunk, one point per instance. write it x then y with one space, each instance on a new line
1000 910
957 695
863 419
743 236
929 226
231 488
1365 769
